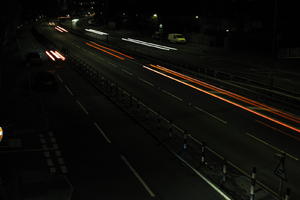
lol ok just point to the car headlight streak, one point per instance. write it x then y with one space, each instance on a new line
149 44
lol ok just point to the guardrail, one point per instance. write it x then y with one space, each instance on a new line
194 153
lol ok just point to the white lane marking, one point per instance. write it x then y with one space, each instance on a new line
147 82
102 132
203 178
258 108
213 116
69 90
127 72
59 78
172 95
180 129
82 107
138 176
271 146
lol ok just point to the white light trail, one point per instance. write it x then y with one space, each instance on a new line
50 56
96 32
149 44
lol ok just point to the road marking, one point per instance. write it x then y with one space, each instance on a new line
271 146
172 95
202 177
213 116
147 82
82 107
69 90
138 176
59 78
102 132
127 72
180 129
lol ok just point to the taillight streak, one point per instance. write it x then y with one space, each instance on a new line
233 95
121 58
62 29
50 56
59 30
226 100
112 50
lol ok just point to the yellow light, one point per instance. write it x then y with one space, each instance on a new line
1 134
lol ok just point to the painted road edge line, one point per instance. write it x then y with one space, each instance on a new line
137 176
213 116
82 107
102 132
203 178
271 146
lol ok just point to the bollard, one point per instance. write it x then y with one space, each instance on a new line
253 182
203 153
185 140
287 194
224 171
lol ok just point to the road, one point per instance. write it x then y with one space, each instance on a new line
74 143
242 137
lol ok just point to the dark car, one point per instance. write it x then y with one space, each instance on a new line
33 59
44 81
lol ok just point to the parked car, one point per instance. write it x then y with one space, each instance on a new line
44 81
176 38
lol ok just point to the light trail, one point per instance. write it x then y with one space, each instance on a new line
62 29
119 57
58 29
61 56
226 100
96 32
231 94
49 55
112 50
149 44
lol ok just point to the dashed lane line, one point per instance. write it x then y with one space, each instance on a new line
271 146
82 107
102 132
211 115
69 90
172 95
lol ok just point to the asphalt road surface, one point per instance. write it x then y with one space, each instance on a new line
243 137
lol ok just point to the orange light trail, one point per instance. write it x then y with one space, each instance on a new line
112 50
228 101
50 56
121 58
233 95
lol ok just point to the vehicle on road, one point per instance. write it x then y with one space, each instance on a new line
176 38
